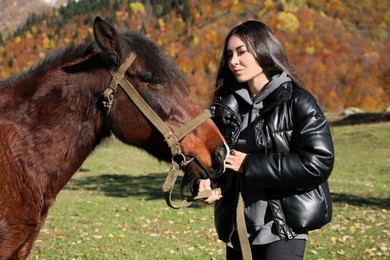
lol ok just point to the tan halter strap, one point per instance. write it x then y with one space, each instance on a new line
171 138
108 94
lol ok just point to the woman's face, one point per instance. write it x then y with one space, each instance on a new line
241 61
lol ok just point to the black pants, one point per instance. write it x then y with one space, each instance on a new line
280 250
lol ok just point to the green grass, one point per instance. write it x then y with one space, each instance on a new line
114 208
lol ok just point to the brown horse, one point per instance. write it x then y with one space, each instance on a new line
52 117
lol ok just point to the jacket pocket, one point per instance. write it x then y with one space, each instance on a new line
308 211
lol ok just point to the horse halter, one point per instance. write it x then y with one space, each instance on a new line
171 138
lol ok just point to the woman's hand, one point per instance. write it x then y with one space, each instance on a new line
206 185
235 161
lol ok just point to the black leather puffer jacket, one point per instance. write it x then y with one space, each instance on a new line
295 153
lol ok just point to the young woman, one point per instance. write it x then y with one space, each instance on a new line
280 140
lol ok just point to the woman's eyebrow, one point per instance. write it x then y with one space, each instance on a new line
237 48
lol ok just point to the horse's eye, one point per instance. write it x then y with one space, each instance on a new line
156 82
152 80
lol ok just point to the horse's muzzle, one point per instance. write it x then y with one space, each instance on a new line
219 162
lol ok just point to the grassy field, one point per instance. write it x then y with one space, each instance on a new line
113 208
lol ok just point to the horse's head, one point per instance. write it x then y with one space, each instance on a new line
156 78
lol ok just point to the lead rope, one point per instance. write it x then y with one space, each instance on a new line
241 228
170 182
168 186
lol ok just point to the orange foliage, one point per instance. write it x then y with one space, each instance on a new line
339 48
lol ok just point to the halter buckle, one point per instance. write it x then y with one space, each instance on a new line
181 160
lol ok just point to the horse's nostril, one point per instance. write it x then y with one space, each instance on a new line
218 159
222 152
220 156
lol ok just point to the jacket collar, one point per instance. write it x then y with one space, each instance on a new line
277 91
277 97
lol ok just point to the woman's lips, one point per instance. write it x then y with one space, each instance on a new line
238 71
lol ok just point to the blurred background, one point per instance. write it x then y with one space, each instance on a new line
339 48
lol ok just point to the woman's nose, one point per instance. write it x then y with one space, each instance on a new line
234 59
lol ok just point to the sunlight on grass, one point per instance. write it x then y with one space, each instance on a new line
114 208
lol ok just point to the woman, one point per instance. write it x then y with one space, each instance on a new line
280 140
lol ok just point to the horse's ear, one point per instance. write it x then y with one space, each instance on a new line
107 38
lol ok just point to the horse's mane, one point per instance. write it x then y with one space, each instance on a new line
70 52
162 66
54 59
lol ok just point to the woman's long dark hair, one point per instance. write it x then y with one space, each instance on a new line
264 46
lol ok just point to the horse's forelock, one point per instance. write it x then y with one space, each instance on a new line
155 59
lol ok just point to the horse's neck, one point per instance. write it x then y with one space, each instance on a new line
55 130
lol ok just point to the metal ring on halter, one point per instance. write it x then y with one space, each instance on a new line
182 161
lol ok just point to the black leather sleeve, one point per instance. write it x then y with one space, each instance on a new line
308 163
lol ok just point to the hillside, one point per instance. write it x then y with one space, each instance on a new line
14 13
339 48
